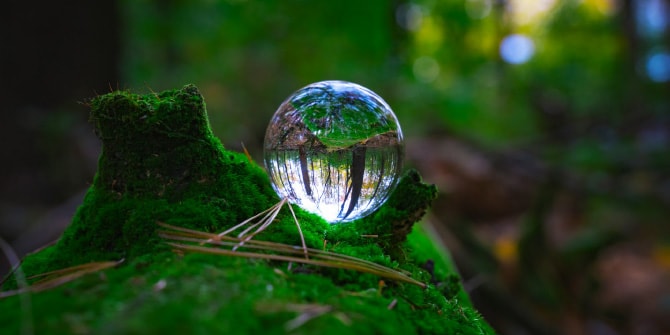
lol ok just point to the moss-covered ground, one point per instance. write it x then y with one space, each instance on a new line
161 163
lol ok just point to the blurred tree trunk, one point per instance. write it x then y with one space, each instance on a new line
54 55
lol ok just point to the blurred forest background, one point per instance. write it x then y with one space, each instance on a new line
544 123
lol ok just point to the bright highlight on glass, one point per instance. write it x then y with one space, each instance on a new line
335 149
516 49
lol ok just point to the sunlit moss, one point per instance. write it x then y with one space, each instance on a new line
160 162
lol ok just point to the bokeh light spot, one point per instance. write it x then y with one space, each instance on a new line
409 16
516 49
652 16
426 69
605 7
529 11
478 9
658 67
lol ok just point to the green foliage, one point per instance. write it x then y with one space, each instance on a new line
247 57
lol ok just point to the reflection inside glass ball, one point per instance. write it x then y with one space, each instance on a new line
334 148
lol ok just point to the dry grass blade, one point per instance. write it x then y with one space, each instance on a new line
287 250
189 235
306 315
192 241
267 217
306 312
59 277
302 237
25 302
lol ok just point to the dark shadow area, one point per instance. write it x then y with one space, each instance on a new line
54 57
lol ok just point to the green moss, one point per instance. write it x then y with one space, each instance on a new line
160 162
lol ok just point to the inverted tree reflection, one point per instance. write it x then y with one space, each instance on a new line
342 184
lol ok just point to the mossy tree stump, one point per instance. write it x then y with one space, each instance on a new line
161 163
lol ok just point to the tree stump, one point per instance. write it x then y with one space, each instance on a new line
161 163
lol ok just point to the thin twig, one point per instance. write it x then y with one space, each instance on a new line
59 277
267 217
189 235
302 238
24 301
283 252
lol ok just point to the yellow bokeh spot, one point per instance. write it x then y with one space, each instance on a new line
505 249
483 41
526 12
606 7
430 35
661 256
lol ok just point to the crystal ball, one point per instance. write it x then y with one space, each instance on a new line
334 148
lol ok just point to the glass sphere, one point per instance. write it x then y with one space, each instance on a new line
334 148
